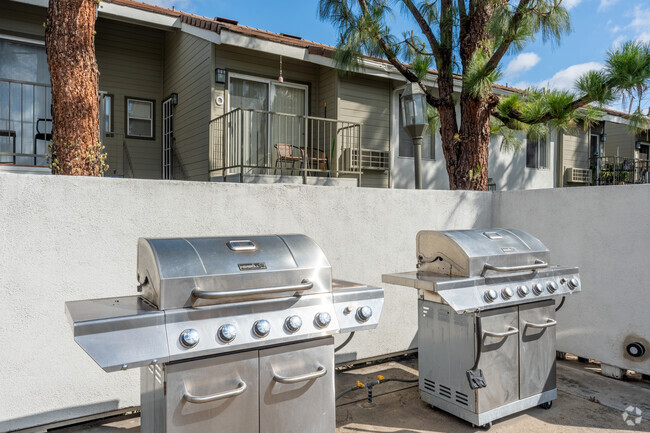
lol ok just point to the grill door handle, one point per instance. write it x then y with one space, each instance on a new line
241 387
537 265
322 371
548 324
304 285
511 331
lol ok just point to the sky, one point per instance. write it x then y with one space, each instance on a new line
597 26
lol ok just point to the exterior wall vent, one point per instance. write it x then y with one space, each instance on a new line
370 159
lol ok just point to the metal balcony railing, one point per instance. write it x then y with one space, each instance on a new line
613 170
25 122
252 143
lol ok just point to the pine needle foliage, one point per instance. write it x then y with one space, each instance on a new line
462 43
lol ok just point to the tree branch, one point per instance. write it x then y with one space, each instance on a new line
492 64
401 68
426 29
461 11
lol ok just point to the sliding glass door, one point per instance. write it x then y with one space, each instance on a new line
269 117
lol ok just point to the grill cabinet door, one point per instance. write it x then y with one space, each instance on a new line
499 359
305 405
537 347
208 377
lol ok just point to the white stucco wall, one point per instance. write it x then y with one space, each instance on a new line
606 232
67 238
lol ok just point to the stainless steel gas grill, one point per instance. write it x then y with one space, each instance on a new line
486 322
232 334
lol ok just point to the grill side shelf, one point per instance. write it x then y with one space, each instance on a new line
119 333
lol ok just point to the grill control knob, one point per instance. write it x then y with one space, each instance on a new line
323 319
364 313
573 283
507 293
227 333
490 295
523 291
189 338
261 328
551 286
538 289
293 323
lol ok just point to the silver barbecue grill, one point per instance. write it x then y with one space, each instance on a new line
232 334
486 332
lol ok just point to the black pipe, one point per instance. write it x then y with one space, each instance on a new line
561 303
345 343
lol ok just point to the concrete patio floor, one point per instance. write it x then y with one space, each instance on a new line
587 402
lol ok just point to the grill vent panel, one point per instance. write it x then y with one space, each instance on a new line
445 391
429 385
461 398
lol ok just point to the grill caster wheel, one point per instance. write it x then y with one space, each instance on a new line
583 360
546 405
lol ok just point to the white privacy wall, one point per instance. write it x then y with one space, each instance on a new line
605 231
66 238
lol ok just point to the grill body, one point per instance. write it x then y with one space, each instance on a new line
512 335
231 333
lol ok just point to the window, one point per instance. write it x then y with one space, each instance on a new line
536 152
406 143
107 112
139 118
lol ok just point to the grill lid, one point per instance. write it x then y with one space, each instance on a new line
191 272
472 253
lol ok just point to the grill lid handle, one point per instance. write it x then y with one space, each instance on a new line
203 294
241 387
322 371
537 265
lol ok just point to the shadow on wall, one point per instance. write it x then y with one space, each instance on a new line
510 174
434 174
66 413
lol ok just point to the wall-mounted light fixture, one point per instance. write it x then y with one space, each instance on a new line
174 98
220 76
603 137
637 145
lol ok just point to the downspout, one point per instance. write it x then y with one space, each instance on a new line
559 164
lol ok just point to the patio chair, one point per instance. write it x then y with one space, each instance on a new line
285 155
317 158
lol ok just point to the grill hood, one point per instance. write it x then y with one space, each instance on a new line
465 253
192 272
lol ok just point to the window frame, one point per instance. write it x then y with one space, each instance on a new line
537 142
126 118
112 115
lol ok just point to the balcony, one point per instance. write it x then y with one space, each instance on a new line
255 146
25 125
613 170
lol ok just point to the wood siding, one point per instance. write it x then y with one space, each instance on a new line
618 137
263 65
22 20
576 149
188 72
366 101
130 60
328 89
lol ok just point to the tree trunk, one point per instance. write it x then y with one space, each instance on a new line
473 146
70 47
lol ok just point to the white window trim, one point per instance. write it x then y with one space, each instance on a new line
151 119
268 81
22 39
